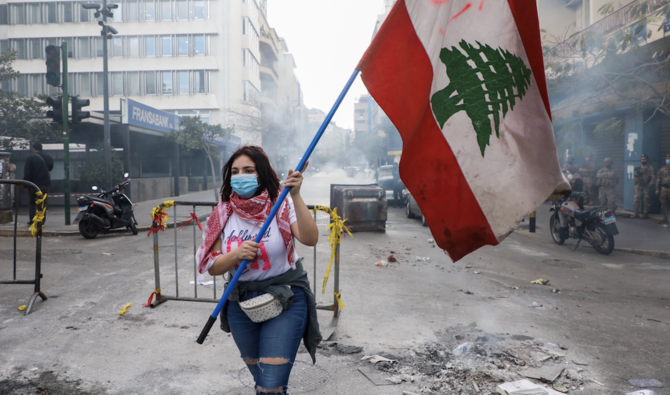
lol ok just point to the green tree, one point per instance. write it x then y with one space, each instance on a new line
20 120
198 135
486 89
93 173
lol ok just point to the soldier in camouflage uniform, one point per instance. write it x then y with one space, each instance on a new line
663 189
607 180
643 177
588 171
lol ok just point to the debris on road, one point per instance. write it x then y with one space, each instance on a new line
536 304
462 348
525 387
561 388
646 383
23 307
343 349
540 281
422 259
546 374
124 309
382 263
391 258
432 241
642 392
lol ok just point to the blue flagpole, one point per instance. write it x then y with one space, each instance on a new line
275 208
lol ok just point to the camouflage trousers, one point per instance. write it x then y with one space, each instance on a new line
607 197
590 191
640 192
665 199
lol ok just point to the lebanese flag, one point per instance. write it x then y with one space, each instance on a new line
463 82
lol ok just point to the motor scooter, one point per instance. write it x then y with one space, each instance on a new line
101 214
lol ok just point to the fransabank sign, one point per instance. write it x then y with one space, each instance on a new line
136 113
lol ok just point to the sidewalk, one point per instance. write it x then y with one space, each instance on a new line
55 224
640 236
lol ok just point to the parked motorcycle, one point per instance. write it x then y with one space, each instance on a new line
596 225
101 214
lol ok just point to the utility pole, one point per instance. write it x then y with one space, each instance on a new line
66 137
106 34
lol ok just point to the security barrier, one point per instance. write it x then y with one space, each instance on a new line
36 230
160 223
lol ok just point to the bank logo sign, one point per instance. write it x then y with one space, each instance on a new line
138 114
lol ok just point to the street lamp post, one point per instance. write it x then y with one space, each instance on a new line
106 33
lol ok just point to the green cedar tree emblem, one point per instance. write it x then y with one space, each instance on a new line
487 88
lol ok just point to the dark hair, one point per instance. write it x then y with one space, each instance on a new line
267 177
37 146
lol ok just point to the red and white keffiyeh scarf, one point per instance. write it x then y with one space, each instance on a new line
254 210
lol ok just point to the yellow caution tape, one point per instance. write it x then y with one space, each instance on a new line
41 212
339 301
124 309
337 229
21 308
159 211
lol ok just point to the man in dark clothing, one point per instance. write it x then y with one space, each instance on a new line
37 168
397 187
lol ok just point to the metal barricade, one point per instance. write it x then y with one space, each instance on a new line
160 297
38 243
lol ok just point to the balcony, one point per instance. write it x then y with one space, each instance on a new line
633 12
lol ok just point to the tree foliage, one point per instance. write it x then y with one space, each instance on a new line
93 173
20 121
195 134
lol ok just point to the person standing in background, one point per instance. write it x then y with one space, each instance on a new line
607 180
663 189
643 177
588 171
36 170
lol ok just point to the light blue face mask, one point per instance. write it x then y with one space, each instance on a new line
244 185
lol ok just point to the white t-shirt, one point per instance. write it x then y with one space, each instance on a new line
272 258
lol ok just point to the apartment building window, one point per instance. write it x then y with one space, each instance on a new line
182 9
149 46
37 87
36 48
68 14
150 82
250 93
117 84
117 47
52 16
19 14
133 10
249 30
199 83
198 45
85 85
21 50
35 13
22 84
149 10
182 45
4 14
84 47
166 10
134 83
4 45
99 47
134 47
70 46
84 14
249 61
199 9
99 84
166 45
166 82
182 78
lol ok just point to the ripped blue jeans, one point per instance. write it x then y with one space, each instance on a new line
276 338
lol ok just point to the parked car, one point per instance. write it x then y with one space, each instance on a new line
412 209
385 180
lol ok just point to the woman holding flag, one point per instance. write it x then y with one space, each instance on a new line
267 345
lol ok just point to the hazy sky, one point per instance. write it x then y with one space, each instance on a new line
327 39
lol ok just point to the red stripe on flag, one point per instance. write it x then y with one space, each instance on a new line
528 24
398 74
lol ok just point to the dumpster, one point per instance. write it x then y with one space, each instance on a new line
363 206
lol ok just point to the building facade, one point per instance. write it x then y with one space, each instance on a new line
188 57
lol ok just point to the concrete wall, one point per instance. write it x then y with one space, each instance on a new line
155 188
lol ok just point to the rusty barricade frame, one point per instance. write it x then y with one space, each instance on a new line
38 246
162 298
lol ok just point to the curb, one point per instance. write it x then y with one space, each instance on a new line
636 251
61 233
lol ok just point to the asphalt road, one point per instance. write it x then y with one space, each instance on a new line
612 312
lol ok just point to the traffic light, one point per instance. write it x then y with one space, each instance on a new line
56 113
77 113
53 65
